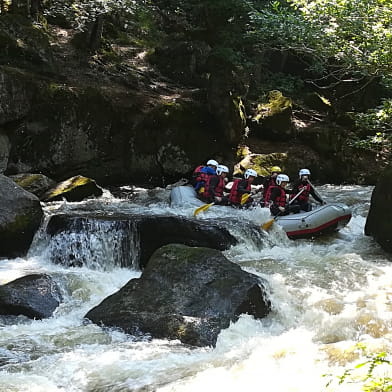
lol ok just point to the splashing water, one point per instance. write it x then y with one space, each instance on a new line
327 295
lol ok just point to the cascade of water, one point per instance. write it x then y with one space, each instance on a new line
93 243
328 295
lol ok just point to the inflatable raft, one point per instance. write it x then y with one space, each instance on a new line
324 219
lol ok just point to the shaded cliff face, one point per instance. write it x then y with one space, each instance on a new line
116 121
111 137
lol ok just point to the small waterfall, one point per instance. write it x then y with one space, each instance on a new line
97 244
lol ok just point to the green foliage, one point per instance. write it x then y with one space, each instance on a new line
376 124
340 35
376 378
288 84
79 13
378 120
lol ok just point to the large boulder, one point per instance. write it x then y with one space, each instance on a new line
128 241
379 219
15 95
35 183
34 296
20 217
184 293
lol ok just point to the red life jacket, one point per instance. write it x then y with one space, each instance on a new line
280 201
304 196
271 182
218 189
196 173
235 196
203 177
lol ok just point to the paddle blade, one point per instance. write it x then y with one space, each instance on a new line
267 225
204 207
244 198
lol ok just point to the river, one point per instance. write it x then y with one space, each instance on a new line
331 301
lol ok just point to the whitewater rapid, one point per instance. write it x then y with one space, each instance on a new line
331 306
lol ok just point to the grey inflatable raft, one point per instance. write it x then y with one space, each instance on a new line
322 220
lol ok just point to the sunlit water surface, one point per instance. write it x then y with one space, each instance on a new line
328 295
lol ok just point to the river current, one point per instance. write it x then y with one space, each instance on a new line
331 307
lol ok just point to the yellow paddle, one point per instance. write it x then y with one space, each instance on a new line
267 225
244 198
204 207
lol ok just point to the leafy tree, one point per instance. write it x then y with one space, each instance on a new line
344 39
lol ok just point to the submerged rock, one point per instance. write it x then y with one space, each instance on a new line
20 217
379 219
35 296
184 293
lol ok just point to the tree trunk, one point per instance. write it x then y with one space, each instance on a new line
35 8
96 33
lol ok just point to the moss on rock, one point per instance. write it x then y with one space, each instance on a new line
74 189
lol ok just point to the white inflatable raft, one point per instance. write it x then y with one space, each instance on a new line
322 220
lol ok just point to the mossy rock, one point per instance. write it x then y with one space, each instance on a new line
277 103
37 184
20 216
272 118
74 189
23 43
262 163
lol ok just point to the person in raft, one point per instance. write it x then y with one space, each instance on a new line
214 187
241 187
201 173
271 179
276 198
303 199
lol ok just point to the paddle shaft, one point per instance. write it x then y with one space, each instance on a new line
315 191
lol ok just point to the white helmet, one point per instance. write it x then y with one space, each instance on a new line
250 172
221 169
282 178
304 172
212 162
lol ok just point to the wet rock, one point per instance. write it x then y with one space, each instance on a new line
379 219
74 189
20 217
132 239
35 296
184 293
37 184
